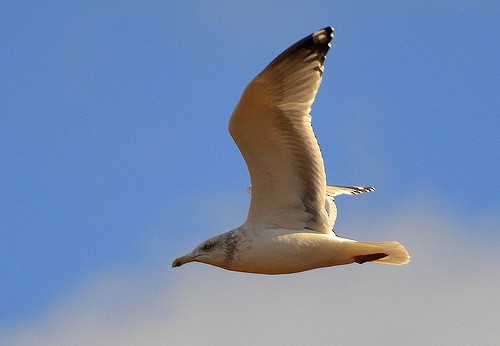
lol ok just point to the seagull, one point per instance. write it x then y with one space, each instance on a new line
292 212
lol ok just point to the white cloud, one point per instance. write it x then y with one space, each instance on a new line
448 294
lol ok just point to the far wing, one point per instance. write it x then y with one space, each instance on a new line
348 190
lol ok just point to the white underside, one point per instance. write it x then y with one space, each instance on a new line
280 251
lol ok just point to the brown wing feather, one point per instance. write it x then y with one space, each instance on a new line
272 127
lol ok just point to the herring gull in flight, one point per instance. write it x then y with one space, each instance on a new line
290 222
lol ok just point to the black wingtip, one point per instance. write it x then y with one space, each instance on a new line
319 42
329 30
323 36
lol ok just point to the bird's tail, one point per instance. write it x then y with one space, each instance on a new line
387 252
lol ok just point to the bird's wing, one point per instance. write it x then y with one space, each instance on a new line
348 190
272 127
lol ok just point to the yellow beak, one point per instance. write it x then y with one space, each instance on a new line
183 260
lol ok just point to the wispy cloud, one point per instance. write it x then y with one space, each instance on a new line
448 294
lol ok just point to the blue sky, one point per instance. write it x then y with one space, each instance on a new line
115 155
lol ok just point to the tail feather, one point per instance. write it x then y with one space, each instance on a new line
388 252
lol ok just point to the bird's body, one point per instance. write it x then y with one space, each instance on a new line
264 251
292 213
282 251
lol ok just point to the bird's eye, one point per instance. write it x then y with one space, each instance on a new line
207 246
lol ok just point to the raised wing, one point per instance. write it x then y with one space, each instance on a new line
272 127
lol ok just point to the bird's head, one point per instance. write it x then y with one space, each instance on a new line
211 251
